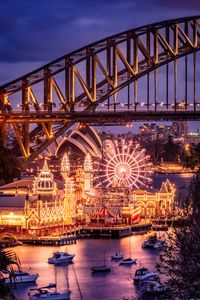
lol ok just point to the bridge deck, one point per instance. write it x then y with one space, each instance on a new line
98 117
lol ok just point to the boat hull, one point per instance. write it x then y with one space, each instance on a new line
22 279
142 278
52 296
55 261
100 269
128 262
118 257
61 261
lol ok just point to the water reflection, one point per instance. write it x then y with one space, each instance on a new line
116 284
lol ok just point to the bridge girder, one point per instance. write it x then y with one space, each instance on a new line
95 75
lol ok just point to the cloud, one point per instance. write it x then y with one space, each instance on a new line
191 5
32 31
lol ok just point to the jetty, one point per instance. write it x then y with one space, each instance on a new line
49 240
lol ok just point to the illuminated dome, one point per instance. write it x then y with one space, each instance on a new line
44 182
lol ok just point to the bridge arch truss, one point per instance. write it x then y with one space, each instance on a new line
146 73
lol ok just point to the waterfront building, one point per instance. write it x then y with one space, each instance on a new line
150 202
39 205
44 204
155 203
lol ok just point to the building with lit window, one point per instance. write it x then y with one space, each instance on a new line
37 204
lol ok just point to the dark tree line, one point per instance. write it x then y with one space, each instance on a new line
9 165
181 259
8 263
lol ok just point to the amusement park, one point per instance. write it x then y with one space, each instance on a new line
100 160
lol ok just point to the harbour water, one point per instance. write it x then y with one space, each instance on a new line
90 252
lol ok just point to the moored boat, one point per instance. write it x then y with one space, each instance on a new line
21 277
102 268
117 256
60 257
152 242
128 261
144 274
48 292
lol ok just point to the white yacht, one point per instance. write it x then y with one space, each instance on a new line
128 261
21 277
117 256
48 292
144 274
60 257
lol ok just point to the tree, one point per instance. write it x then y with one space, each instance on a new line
8 260
171 150
192 157
181 259
9 165
156 150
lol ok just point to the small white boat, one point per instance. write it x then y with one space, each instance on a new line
154 288
60 257
144 274
128 261
117 256
21 277
46 292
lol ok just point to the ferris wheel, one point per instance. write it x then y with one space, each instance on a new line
124 165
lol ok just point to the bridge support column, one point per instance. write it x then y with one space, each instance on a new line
48 103
3 134
25 127
26 139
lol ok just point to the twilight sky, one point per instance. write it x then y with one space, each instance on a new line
34 32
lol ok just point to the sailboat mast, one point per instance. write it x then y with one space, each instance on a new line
67 278
77 282
56 279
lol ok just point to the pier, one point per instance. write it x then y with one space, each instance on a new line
95 231
89 231
141 228
49 240
113 231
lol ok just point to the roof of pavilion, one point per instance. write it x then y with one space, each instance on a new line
103 213
23 185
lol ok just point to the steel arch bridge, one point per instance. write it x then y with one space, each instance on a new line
146 73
